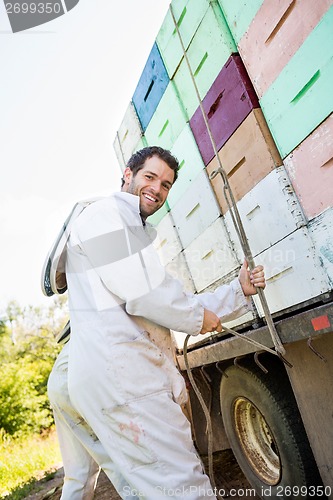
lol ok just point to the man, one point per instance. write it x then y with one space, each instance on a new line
122 386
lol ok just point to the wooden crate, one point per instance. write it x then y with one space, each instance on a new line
310 167
228 102
293 272
168 120
269 212
128 135
150 88
276 33
186 151
210 256
239 14
196 210
188 15
167 242
247 157
208 51
302 89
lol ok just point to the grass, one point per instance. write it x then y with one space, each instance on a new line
25 460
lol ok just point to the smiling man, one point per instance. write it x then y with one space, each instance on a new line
152 182
122 401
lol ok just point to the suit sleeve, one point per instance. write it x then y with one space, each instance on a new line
228 302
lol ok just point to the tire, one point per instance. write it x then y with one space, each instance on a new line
265 431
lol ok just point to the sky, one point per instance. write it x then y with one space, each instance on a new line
65 86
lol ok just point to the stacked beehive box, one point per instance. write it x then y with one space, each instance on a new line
264 72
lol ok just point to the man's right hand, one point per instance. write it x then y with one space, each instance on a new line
211 322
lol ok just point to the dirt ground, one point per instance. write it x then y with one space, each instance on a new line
228 477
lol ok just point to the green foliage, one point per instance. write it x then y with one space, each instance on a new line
23 400
27 353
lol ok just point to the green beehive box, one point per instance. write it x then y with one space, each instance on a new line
191 164
168 120
303 89
209 50
239 14
188 15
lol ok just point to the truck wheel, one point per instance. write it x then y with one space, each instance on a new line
265 431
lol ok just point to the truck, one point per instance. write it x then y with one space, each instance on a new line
241 93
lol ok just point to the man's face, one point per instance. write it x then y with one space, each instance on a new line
152 184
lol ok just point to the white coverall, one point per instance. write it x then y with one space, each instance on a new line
122 384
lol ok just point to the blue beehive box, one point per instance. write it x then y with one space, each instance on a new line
152 84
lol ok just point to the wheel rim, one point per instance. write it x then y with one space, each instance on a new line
257 441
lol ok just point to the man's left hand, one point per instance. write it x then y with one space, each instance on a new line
250 281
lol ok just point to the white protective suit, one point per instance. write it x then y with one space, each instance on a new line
82 452
120 381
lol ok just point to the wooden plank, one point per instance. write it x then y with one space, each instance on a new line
150 88
210 256
168 120
302 89
310 167
207 53
228 102
196 210
311 379
188 15
186 151
275 34
247 157
271 204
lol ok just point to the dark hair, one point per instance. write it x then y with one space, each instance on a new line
137 160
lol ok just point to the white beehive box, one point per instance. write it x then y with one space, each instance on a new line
210 256
321 232
178 268
167 242
128 136
196 210
269 212
293 272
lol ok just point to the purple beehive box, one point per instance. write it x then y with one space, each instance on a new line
227 103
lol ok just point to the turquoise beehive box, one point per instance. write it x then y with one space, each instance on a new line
208 51
303 88
168 120
188 15
191 164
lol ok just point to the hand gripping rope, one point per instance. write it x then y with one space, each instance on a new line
279 349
